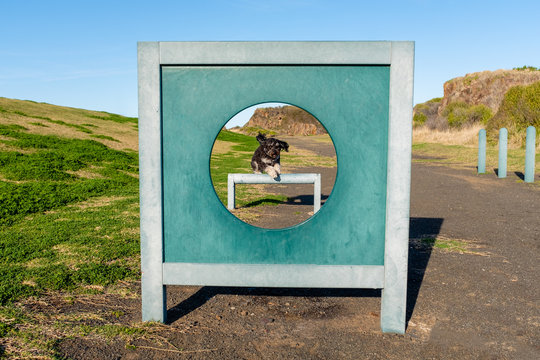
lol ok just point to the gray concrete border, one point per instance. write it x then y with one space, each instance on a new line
151 205
314 276
398 188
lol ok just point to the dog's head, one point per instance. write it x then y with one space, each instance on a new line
272 146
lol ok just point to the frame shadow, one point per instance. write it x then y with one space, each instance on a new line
419 254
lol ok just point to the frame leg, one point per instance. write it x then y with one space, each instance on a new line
394 302
154 302
393 311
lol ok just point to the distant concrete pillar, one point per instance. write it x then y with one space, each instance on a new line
530 149
503 148
482 151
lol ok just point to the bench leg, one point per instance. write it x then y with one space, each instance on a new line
230 192
317 194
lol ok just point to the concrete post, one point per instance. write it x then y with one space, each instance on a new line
530 148
503 146
482 151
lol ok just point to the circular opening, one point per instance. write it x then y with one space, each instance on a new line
274 141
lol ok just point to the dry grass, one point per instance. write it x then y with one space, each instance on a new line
467 136
222 147
38 119
459 148
98 202
86 173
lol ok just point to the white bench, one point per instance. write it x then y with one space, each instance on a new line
314 179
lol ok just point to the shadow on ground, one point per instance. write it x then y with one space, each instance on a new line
419 254
295 200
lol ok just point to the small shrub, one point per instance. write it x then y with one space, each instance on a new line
419 119
459 114
427 113
527 68
519 109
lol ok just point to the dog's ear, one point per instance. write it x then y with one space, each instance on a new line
261 138
284 145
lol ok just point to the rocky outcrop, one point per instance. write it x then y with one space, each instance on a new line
285 120
487 87
470 98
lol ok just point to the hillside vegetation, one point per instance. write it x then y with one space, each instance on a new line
503 98
519 109
68 199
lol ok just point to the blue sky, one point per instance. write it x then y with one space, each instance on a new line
83 54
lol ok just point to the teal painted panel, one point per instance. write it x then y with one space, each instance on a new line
351 101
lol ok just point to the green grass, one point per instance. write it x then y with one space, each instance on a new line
254 130
46 244
451 245
446 244
69 248
114 117
468 156
111 330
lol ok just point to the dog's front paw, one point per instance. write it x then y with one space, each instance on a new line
272 172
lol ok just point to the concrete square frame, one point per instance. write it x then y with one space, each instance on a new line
391 277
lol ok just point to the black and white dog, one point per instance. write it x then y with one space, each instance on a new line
266 157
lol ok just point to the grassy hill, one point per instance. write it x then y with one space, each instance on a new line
68 199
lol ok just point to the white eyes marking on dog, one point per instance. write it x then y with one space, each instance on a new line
278 142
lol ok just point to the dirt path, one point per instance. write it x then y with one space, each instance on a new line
479 300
